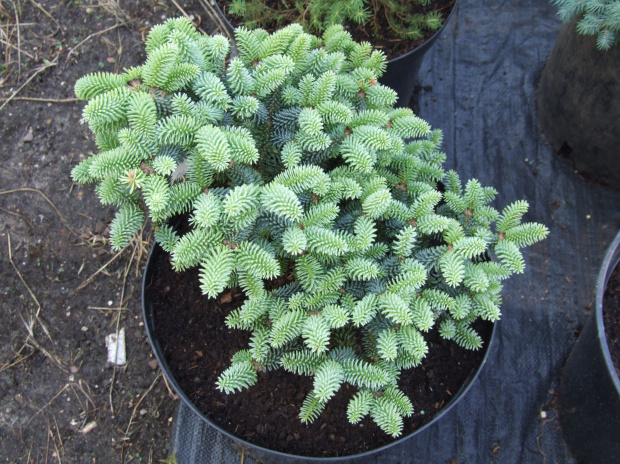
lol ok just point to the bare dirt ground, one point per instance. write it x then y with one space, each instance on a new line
62 289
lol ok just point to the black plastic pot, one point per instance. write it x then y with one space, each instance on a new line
579 105
190 429
590 388
401 73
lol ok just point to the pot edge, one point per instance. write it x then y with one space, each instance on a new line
611 260
420 48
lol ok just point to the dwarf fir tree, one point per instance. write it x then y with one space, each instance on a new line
290 158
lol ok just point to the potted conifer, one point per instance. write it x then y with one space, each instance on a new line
308 196
404 30
579 91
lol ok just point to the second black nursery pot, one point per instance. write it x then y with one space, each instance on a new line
579 104
188 450
590 388
402 72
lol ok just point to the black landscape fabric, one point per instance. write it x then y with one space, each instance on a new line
478 84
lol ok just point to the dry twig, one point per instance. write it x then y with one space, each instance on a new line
137 242
113 8
62 445
30 326
94 34
119 51
18 358
44 100
25 24
19 45
31 340
101 269
172 394
16 47
214 15
135 408
88 394
183 12
44 11
28 189
47 65
28 223
41 409
32 295
104 308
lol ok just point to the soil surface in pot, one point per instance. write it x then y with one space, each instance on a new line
198 346
392 45
611 317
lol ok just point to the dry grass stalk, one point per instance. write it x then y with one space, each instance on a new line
28 189
133 413
113 8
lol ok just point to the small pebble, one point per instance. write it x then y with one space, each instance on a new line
28 137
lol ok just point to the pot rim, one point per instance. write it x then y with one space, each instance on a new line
420 48
611 260
147 313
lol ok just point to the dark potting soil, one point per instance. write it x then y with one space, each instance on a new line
611 317
198 347
381 39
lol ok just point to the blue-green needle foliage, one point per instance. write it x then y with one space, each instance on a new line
290 158
597 17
